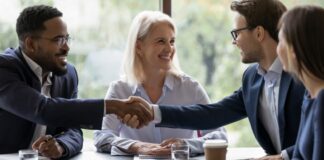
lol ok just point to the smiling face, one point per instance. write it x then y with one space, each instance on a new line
250 48
157 48
48 52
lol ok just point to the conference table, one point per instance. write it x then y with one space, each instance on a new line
89 153
232 154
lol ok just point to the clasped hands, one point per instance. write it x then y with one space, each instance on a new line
134 111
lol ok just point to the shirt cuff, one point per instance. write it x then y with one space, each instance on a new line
285 155
157 114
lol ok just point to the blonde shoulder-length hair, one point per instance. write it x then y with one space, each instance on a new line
132 69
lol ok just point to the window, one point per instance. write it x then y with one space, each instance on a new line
99 29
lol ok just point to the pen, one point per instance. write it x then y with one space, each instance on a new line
54 136
49 139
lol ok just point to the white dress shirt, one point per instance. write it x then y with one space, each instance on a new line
182 90
40 130
268 112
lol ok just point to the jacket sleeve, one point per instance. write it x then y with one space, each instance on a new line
71 140
210 116
290 150
20 99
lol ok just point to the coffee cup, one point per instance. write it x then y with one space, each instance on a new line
215 149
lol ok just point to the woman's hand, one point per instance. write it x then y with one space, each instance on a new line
149 149
170 141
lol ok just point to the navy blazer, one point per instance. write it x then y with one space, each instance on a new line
241 104
310 140
22 106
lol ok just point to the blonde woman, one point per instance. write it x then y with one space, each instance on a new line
151 71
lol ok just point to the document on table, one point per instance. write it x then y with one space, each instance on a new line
152 157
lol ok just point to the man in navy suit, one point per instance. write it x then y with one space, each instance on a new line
38 91
269 97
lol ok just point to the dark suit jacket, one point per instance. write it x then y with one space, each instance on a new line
22 106
241 104
310 140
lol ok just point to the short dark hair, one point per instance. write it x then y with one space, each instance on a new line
31 19
265 13
303 29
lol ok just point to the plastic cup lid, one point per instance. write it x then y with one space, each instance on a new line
215 143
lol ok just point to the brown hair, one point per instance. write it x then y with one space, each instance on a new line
303 29
265 13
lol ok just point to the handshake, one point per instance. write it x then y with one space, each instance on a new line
134 111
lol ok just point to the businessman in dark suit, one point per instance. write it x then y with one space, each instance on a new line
269 97
38 91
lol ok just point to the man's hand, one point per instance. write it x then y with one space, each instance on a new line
271 157
134 110
149 149
133 121
48 146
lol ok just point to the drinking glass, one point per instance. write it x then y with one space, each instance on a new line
28 154
179 151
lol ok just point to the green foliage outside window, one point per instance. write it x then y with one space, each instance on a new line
99 29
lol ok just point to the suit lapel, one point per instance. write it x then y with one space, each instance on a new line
34 82
56 86
283 91
255 95
257 126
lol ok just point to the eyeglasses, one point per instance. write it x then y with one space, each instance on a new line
235 32
59 40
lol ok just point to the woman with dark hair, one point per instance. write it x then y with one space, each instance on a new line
301 52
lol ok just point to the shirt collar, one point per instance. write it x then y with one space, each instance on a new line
276 67
37 69
168 84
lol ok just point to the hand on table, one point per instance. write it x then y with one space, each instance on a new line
170 141
48 146
154 149
149 149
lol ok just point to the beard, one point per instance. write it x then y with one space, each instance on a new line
49 63
59 71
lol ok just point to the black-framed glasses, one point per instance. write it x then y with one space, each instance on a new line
59 40
235 32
